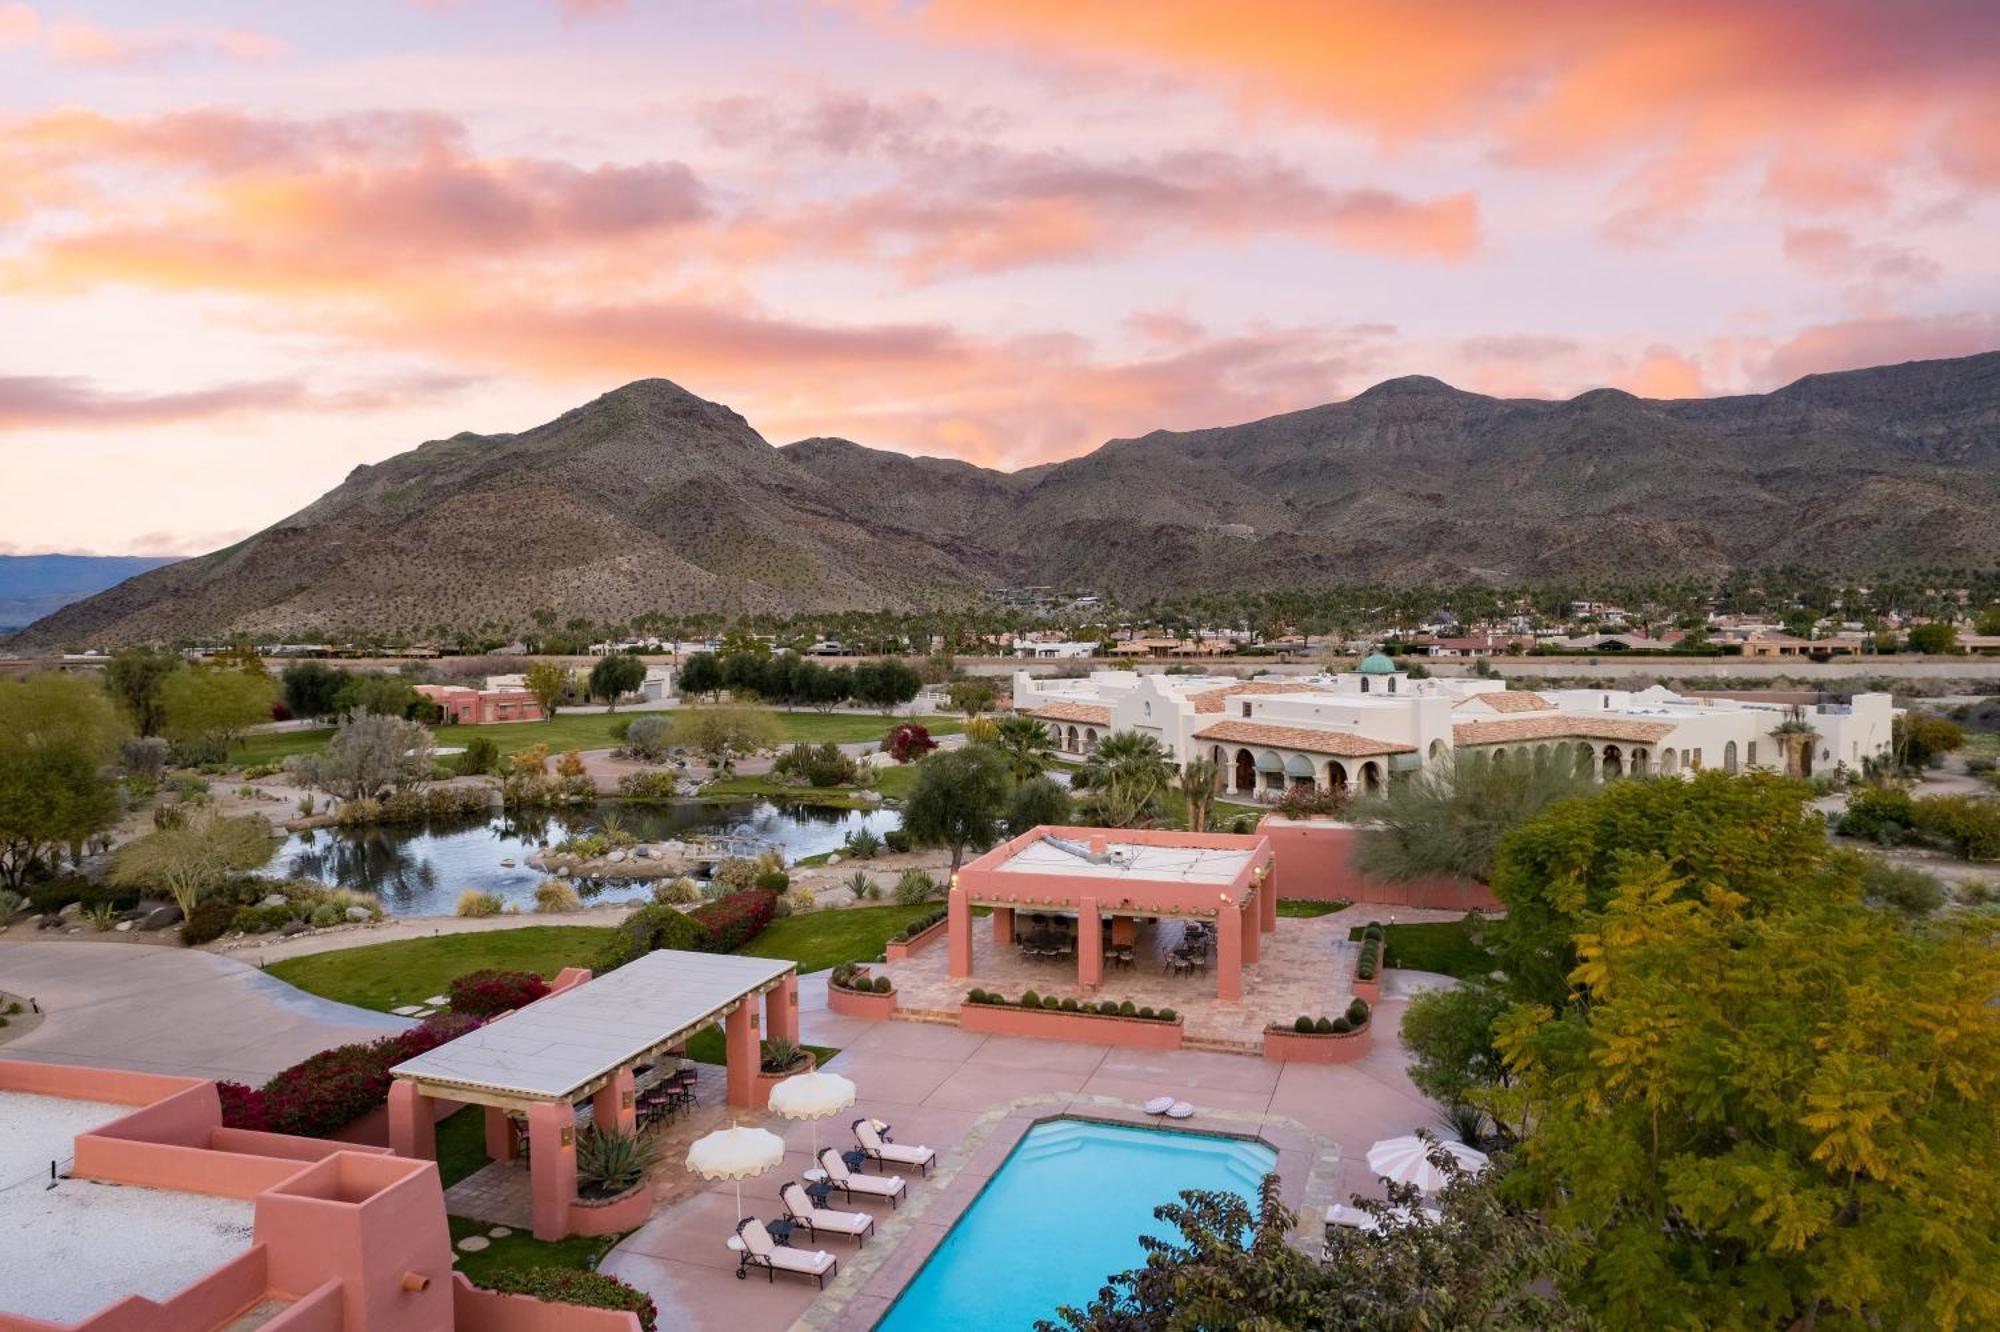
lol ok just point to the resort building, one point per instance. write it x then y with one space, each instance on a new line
463 705
1358 729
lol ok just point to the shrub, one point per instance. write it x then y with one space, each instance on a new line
649 786
210 921
1908 890
489 992
477 902
677 892
1146 1012
801 899
1302 1024
882 985
262 919
914 886
919 925
977 996
735 920
774 881
569 1285
1323 1027
864 888
1050 1001
907 742
325 1093
646 929
896 840
1109 1008
480 757
817 765
554 895
242 1107
1128 1009
1877 813
649 738
1069 1005
326 914
1969 825
861 844
1029 999
1340 1026
735 874
1168 1015
1308 802
1357 1012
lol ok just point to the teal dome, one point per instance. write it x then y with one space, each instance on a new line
1377 664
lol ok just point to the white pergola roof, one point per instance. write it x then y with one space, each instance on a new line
1186 864
560 1047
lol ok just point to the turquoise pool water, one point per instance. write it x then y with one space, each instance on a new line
1065 1212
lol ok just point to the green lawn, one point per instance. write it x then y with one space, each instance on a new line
386 975
461 1144
821 939
1300 909
521 1249
705 1047
1442 946
591 730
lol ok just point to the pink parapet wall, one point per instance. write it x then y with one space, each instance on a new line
1316 864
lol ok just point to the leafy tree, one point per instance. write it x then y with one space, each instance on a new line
1449 821
958 800
1449 1036
1778 1109
480 757
1989 621
720 735
1201 780
614 674
311 688
887 683
374 692
57 733
205 710
367 756
1922 739
134 677
548 682
1126 775
1037 801
190 861
1753 836
1026 744
972 696
701 675
1937 637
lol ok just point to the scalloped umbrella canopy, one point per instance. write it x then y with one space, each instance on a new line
812 1096
1405 1161
735 1153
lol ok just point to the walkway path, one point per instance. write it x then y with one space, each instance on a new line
172 1010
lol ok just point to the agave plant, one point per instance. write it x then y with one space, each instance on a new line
1467 1123
781 1055
609 1162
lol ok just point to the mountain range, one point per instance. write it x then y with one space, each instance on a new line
653 499
32 586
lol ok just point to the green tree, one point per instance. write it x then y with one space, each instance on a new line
1753 836
548 682
887 683
1126 774
1989 621
1937 637
614 674
1449 1036
207 709
1035 802
958 800
972 696
134 677
1026 744
700 676
721 735
1449 821
192 860
57 734
375 693
1922 739
367 756
1776 1109
311 689
1201 780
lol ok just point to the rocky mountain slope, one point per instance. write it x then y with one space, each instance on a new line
651 498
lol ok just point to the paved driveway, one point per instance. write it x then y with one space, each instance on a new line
171 1010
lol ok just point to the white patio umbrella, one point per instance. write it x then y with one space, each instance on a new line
812 1096
735 1153
1405 1161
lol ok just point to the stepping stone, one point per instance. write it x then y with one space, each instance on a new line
474 1243
407 1010
438 1000
423 1012
499 1232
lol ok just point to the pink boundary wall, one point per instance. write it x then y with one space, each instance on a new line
1316 864
352 1236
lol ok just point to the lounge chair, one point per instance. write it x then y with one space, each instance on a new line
1159 1105
755 1248
800 1207
1180 1110
873 1186
891 1153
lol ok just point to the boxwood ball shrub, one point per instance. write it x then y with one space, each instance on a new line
882 985
1323 1027
1303 1025
1147 1013
1357 1012
1069 1005
1029 999
1168 1015
1050 1001
1341 1026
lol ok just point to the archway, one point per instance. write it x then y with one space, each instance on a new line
1586 760
1071 746
1639 761
1090 740
1299 771
1336 777
1371 777
1669 762
1614 762
1729 757
1271 772
1246 771
1541 759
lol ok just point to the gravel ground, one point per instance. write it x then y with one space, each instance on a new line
73 1249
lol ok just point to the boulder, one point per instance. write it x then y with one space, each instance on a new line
160 917
292 927
272 900
833 860
357 913
642 852
70 911
123 926
615 857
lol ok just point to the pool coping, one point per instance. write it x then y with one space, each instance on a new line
871 1279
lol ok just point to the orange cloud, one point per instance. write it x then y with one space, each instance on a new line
74 42
1856 344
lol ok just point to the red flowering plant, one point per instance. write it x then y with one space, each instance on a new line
322 1094
907 742
736 919
492 992
242 1107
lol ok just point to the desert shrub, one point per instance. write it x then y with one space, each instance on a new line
864 888
570 764
262 919
817 765
478 902
210 921
896 840
1908 890
1968 825
861 844
480 757
801 899
325 1093
554 895
569 1285
646 929
609 1162
1879 814
490 992
649 738
914 886
677 892
649 786
735 874
774 881
144 756
735 920
326 914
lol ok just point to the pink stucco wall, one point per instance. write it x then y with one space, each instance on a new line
898 949
852 1003
489 1311
1299 1048
1316 864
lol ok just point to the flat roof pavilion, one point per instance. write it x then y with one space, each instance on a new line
1126 861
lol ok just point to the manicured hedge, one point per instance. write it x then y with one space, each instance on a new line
920 924
491 992
323 1094
1354 1019
568 1285
1087 1007
736 919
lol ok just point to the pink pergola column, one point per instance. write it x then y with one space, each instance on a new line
1229 952
741 1055
551 1166
499 1133
412 1122
781 1010
615 1104
1252 929
1003 927
1089 945
958 934
1267 901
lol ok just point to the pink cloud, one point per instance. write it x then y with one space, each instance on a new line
1856 344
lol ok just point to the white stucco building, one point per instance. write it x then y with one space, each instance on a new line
1357 729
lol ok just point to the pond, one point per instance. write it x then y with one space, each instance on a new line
420 869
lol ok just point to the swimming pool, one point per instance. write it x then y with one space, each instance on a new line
1063 1213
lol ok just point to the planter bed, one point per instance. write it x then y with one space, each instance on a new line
1297 1047
898 949
760 1090
614 1215
1053 1024
859 1004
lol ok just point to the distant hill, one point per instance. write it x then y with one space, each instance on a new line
651 498
32 586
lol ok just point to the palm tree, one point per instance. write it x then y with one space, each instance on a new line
1129 772
1201 778
1026 744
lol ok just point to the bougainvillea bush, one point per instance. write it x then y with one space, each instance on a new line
736 919
907 742
492 992
321 1095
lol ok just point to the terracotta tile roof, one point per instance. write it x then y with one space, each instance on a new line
1510 700
1568 726
1215 700
1089 714
1340 744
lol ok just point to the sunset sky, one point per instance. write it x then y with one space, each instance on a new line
247 246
